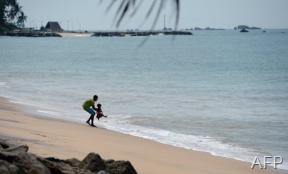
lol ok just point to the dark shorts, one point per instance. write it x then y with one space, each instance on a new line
89 110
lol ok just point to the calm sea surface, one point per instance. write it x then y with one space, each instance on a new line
222 92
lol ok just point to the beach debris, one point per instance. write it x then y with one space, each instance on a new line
15 159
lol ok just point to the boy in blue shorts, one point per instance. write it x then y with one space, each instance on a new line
89 106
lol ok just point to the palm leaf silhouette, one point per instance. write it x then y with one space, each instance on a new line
133 6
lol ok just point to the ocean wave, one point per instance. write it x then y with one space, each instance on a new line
207 144
121 123
212 145
4 85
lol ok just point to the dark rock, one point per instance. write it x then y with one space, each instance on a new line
57 166
18 149
7 168
26 162
93 162
8 147
9 157
3 145
17 160
102 172
120 167
109 161
32 34
244 30
30 164
73 162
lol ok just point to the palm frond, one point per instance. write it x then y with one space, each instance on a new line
133 6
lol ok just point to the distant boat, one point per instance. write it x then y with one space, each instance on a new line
244 30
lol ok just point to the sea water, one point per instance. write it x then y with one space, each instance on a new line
221 92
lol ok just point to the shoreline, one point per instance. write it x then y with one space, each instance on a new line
67 139
49 114
36 111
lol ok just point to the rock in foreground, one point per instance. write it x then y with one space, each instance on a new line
17 160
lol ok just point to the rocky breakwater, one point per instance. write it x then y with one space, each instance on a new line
16 159
32 34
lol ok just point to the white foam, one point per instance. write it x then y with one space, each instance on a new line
4 85
198 143
211 145
19 102
22 102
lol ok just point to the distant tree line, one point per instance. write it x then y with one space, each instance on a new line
11 15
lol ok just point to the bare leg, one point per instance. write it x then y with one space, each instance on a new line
88 121
92 120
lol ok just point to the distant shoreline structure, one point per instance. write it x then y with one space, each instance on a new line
246 27
53 29
139 33
38 33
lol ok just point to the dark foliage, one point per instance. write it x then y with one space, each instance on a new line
11 15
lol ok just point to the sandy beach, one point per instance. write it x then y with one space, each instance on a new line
63 139
75 34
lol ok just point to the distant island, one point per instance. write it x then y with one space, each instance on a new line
207 28
246 27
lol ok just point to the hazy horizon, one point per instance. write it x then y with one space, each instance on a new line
90 15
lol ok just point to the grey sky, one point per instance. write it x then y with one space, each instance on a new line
88 14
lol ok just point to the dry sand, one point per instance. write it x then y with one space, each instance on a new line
51 137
